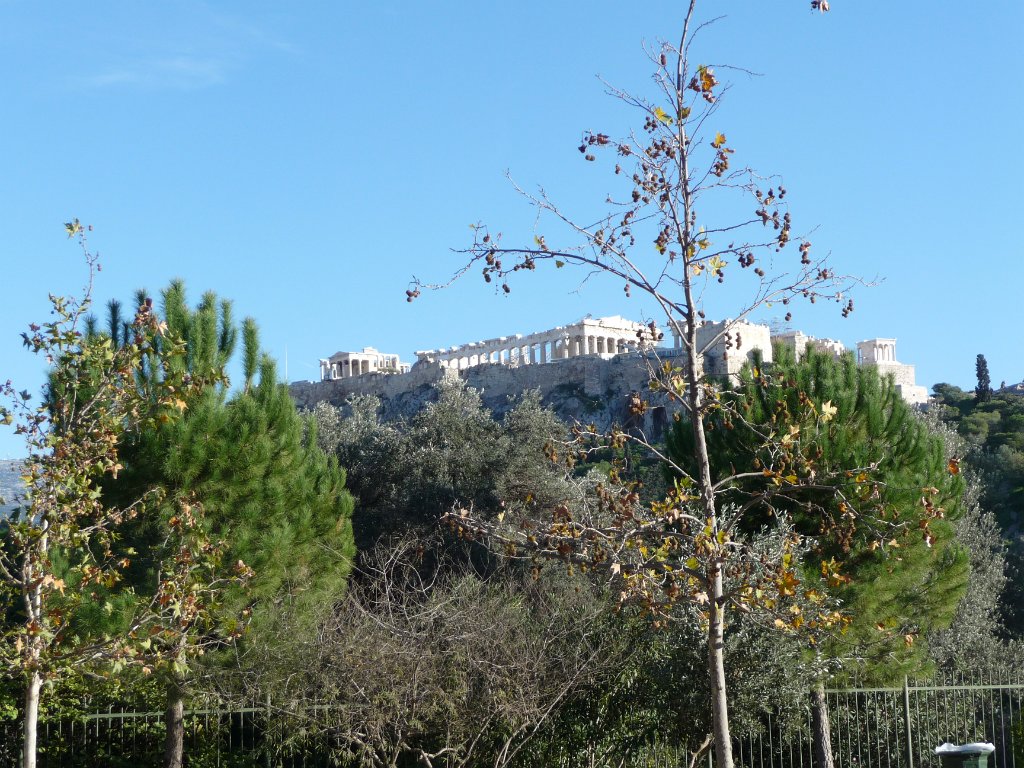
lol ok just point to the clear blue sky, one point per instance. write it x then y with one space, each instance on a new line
306 159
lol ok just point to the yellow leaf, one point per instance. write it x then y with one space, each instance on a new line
719 141
828 411
707 79
662 116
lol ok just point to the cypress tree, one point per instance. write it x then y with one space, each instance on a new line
984 389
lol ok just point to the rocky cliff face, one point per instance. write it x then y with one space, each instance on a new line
589 390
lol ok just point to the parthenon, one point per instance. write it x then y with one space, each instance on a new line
604 336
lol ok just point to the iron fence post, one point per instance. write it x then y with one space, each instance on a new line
266 732
906 722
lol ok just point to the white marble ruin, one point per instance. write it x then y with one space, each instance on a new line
798 341
725 346
603 337
881 353
345 365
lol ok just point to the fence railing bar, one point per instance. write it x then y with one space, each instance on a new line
872 727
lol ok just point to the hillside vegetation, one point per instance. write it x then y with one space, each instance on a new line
993 430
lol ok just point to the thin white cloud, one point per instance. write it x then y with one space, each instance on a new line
178 72
201 50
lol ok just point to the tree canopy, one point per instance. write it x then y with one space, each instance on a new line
253 464
902 573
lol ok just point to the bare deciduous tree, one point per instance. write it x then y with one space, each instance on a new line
688 220
423 662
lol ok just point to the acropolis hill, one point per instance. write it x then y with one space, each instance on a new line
585 370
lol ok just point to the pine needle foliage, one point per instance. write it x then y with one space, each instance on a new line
253 463
896 586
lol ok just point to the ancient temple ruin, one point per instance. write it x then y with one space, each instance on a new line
725 345
798 341
881 354
345 365
603 336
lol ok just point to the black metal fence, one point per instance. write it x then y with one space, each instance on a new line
236 737
897 727
871 728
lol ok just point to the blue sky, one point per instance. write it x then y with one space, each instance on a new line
307 159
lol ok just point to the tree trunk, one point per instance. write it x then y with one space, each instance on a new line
174 719
35 683
716 674
821 729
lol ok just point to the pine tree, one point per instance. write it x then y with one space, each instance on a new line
894 593
64 573
253 463
915 585
984 389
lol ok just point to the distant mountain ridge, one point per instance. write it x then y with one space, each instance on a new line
10 483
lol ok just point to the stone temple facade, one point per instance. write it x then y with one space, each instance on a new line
345 365
726 346
798 341
881 354
603 336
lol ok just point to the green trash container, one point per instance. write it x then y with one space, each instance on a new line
974 755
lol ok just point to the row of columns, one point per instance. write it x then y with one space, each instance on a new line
876 351
344 369
534 352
